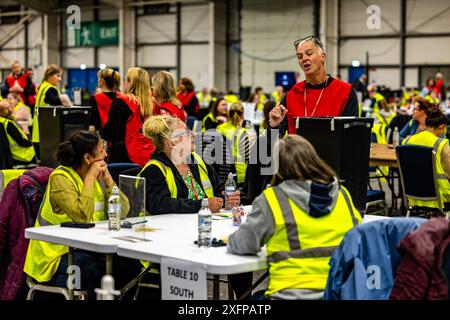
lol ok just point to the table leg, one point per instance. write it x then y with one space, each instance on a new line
109 264
216 287
70 260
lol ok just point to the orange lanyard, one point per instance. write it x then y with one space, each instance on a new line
194 190
318 100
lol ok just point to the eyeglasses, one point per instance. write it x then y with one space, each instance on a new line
185 132
314 38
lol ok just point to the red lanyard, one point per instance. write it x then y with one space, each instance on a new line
318 100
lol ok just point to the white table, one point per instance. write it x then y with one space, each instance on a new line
174 238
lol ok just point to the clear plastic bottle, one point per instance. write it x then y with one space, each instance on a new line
204 225
396 137
114 210
230 188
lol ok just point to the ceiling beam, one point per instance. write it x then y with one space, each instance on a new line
40 6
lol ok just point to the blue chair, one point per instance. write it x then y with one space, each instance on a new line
118 168
418 176
363 266
375 197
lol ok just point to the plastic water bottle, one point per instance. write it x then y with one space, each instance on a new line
230 188
114 210
204 225
396 137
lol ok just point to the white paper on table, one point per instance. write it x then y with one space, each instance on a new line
249 111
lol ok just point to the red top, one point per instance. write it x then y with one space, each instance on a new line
172 109
139 147
103 106
439 86
332 103
21 80
185 98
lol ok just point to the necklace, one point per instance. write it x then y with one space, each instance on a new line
318 100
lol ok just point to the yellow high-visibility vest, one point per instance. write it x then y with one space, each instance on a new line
170 177
40 97
378 98
20 104
43 258
208 116
428 139
299 250
203 99
231 98
18 152
232 133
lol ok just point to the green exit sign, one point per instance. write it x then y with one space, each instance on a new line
101 33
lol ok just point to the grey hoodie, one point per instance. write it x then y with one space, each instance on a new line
317 200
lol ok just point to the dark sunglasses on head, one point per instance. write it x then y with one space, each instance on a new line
314 38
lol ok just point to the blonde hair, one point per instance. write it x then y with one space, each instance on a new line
139 89
163 85
51 70
110 77
160 129
236 113
299 160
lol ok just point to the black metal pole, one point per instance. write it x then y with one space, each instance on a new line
367 67
227 45
316 25
96 19
402 41
338 36
240 42
26 43
178 41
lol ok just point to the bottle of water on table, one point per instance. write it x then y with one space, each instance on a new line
230 188
114 210
204 224
396 137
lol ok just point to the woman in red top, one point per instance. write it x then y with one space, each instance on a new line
165 96
128 112
189 100
109 83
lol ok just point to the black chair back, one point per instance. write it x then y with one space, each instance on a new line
417 173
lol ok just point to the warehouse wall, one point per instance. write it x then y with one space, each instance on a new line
264 43
14 48
422 17
269 29
109 55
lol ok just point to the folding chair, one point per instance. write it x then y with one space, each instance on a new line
78 295
418 176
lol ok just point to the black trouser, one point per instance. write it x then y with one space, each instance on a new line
240 283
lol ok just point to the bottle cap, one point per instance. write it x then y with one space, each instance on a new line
205 202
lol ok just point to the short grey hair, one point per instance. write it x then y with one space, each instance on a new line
319 46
